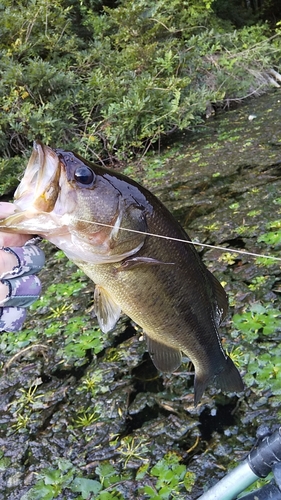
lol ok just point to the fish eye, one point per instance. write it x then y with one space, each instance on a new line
84 175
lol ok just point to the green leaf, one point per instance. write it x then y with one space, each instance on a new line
142 470
85 486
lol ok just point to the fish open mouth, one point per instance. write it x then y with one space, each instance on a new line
39 186
36 195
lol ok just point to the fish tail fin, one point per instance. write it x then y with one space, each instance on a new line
228 380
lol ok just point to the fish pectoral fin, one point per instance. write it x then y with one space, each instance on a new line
107 311
132 262
165 358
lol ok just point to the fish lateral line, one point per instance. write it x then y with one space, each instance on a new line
190 242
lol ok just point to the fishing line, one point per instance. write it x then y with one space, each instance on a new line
195 243
170 238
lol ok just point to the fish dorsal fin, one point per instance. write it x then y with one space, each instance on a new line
107 311
221 300
165 358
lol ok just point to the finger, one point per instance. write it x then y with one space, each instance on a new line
6 209
8 261
7 239
13 239
11 318
16 239
21 292
29 260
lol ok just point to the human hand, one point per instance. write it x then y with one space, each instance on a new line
19 287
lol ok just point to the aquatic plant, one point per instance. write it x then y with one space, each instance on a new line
52 482
87 418
10 344
263 364
171 476
21 422
131 449
29 396
273 237
59 311
167 479
257 320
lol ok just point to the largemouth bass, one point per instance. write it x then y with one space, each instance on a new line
105 222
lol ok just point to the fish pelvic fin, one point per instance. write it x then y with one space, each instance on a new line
228 380
107 311
165 358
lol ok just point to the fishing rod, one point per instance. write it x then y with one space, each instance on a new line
264 458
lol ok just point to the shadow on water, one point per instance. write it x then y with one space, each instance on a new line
218 420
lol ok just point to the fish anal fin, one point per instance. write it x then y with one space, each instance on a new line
200 385
107 311
228 380
165 358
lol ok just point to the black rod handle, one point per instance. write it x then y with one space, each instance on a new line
262 458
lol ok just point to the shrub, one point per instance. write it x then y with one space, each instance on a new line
113 80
